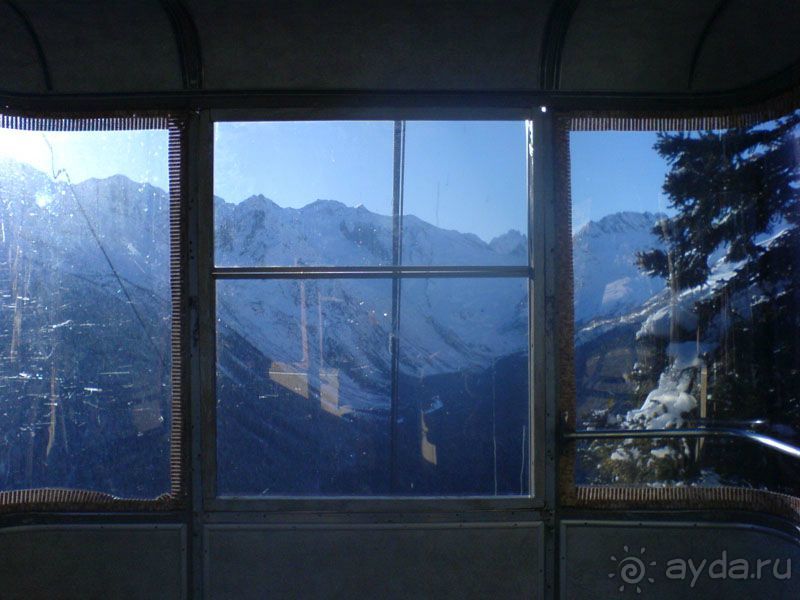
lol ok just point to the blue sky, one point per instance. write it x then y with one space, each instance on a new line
468 176
296 163
141 155
615 171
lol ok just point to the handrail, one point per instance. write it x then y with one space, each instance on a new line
753 436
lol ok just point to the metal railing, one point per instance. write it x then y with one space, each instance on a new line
730 432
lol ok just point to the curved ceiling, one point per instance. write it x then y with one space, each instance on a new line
607 46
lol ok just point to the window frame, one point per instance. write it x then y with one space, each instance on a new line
641 496
174 125
206 273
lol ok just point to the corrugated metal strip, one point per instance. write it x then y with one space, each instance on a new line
177 262
564 302
670 121
59 499
109 123
729 498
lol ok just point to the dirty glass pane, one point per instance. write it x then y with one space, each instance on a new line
465 195
463 402
687 294
85 312
304 380
361 386
303 193
303 387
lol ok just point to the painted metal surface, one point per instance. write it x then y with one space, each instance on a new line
657 559
378 561
125 561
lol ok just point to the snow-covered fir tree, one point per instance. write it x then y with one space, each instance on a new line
726 335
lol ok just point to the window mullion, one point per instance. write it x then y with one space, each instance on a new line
397 255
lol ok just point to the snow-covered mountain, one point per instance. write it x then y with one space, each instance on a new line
607 281
257 231
462 341
84 334
99 230
447 325
325 346
128 219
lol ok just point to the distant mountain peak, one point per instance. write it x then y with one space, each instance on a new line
117 179
510 242
608 281
621 222
256 201
323 204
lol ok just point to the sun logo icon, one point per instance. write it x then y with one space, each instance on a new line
632 570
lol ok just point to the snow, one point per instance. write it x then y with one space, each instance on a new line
666 406
447 324
660 322
124 215
625 452
685 355
669 404
662 452
43 199
608 282
618 454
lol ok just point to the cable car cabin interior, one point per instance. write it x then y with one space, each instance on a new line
400 300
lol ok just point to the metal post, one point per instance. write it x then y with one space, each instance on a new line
397 257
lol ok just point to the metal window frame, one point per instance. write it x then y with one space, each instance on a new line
609 497
207 273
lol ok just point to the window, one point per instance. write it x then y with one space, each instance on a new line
372 300
86 319
685 249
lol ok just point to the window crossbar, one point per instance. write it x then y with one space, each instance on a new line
309 272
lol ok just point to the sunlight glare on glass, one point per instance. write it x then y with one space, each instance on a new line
140 155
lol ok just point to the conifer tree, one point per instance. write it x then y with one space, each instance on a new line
735 195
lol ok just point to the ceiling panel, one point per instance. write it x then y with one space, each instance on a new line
750 40
20 67
106 46
371 45
632 45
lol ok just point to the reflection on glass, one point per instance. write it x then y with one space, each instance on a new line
303 193
463 402
85 314
686 299
465 193
307 378
303 387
